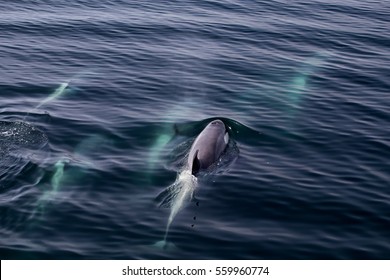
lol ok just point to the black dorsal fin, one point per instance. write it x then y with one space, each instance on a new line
195 164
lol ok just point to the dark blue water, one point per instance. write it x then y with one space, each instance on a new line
302 85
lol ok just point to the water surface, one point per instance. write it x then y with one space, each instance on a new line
303 87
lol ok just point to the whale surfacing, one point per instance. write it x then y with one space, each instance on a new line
205 151
208 146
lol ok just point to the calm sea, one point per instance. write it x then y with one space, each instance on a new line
100 101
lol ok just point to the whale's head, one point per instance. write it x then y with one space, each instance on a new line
217 124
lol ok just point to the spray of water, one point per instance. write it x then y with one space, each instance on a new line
176 196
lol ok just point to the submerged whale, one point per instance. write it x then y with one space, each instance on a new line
205 151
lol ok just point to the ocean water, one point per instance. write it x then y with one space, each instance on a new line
101 100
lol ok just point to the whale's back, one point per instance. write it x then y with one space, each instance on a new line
208 146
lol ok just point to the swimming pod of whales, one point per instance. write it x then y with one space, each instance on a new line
208 151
